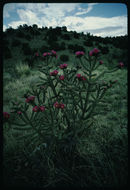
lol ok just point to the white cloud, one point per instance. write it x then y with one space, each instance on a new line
87 10
15 24
92 23
4 27
8 8
57 14
28 16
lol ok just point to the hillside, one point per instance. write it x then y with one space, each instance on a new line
81 141
21 44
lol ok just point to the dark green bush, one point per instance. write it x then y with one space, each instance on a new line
26 49
104 50
88 43
62 46
5 42
54 45
28 37
16 42
7 52
20 34
10 31
66 37
71 47
43 49
75 48
76 35
64 28
64 58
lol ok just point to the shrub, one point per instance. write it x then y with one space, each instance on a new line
76 35
75 48
7 52
66 37
16 43
55 45
62 46
10 31
71 47
5 42
58 112
28 37
20 34
26 49
104 49
88 43
44 48
64 58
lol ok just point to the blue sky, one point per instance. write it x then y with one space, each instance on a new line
100 19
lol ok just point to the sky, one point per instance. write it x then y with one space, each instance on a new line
99 19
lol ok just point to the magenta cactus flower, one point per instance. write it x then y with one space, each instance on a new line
6 115
63 66
42 108
19 112
94 52
62 106
56 105
35 109
83 78
100 62
79 53
90 53
54 73
30 99
46 54
78 76
121 64
53 53
59 105
61 77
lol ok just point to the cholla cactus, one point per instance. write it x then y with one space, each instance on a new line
62 106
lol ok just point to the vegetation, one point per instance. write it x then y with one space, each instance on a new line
65 111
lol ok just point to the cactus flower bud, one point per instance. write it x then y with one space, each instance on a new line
19 112
30 99
100 62
6 115
94 52
36 109
62 106
121 64
61 77
54 73
79 54
42 108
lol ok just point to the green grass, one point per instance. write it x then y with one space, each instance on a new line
102 157
22 69
107 135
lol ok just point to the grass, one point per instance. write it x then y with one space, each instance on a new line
22 69
108 135
102 158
